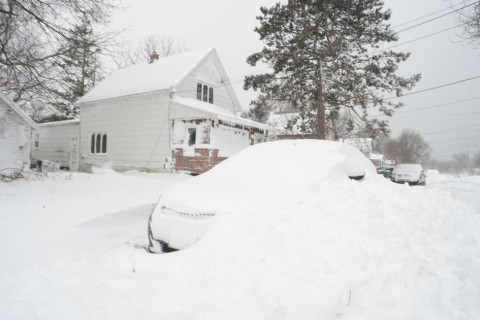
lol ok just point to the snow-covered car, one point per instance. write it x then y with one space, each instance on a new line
411 173
273 170
385 171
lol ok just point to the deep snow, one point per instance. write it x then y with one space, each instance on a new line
71 247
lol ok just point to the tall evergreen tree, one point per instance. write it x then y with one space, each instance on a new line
79 67
324 54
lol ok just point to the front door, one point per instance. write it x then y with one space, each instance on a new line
73 154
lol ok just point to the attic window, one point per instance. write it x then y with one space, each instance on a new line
204 93
199 91
210 95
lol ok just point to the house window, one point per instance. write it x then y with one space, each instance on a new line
204 93
37 141
3 127
92 144
98 143
210 95
192 136
104 143
199 91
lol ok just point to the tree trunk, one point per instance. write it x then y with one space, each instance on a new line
320 110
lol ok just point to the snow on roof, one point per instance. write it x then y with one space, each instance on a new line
60 123
19 111
363 144
376 156
142 78
220 112
279 122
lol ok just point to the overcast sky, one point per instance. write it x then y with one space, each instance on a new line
227 25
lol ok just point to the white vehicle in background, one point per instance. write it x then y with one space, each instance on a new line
263 173
413 174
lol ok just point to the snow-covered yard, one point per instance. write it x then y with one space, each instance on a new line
72 247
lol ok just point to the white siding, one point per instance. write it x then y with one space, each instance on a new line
229 140
15 139
207 72
55 142
181 111
137 129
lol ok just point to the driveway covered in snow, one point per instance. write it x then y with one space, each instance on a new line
72 247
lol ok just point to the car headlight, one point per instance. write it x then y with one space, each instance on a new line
192 215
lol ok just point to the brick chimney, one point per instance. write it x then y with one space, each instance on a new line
153 57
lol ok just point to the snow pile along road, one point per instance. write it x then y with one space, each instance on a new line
342 250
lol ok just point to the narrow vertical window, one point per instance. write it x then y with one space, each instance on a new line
104 144
3 128
199 91
97 148
210 95
205 93
92 144
37 140
192 136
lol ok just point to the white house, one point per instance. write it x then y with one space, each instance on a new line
59 142
18 136
177 113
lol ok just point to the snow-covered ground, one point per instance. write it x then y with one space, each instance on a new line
72 247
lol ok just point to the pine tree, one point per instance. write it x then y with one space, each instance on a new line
79 67
324 55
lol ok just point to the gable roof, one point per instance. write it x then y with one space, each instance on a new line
142 78
19 111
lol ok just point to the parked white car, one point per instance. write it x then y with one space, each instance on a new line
411 173
272 170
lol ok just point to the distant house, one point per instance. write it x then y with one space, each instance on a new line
178 113
378 160
18 136
365 145
290 125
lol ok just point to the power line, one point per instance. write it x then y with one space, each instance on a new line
419 38
455 140
440 115
438 17
451 129
440 105
431 107
446 152
433 88
427 15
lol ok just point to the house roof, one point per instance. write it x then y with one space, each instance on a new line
60 123
142 78
280 121
219 112
19 111
376 156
